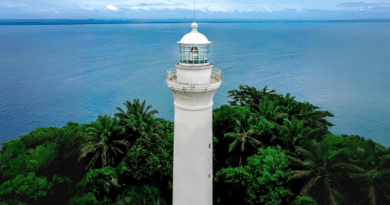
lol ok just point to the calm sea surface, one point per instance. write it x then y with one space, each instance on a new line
53 74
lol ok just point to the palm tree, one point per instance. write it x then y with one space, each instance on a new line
312 117
287 103
292 134
268 110
242 134
249 96
103 144
322 166
145 126
135 111
377 179
271 94
378 188
263 127
134 108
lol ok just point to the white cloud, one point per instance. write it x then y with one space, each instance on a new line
111 7
263 10
137 8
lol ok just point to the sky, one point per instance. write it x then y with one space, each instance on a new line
204 9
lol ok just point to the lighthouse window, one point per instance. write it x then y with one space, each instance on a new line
207 53
209 145
201 54
194 54
194 58
182 53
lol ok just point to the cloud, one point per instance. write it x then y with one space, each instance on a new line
380 8
362 6
138 8
156 4
357 4
111 7
290 10
180 9
264 10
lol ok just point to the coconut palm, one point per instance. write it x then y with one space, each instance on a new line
293 134
322 171
268 110
242 134
135 111
287 104
136 107
263 127
104 142
285 101
249 96
271 94
377 179
145 126
378 184
312 117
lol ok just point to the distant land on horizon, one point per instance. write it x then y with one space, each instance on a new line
144 21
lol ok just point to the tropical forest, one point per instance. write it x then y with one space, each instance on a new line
268 149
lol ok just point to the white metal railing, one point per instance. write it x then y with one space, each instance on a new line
215 73
170 75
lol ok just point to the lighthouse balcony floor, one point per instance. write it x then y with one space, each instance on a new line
214 83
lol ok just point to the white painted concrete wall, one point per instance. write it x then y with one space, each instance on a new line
192 163
193 76
189 100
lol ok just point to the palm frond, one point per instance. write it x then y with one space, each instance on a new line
371 195
349 167
233 145
92 162
299 174
305 153
331 196
307 187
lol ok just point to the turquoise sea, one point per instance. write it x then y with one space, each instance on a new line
53 74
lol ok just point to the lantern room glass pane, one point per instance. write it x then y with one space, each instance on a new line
194 54
181 53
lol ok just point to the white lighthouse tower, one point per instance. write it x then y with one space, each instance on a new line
193 89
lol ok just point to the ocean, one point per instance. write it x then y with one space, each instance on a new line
53 74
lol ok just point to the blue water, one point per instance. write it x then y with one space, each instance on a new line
53 74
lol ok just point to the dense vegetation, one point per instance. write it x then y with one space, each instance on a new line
268 149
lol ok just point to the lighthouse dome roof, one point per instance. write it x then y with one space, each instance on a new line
194 37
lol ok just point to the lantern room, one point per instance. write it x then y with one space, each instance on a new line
194 47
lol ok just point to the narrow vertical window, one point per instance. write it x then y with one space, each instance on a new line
209 145
181 54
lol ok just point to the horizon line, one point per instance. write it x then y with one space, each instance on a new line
184 18
16 22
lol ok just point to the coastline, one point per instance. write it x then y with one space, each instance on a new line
165 21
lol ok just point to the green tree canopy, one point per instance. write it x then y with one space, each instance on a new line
28 189
104 142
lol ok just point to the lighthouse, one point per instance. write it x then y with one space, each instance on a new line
193 87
